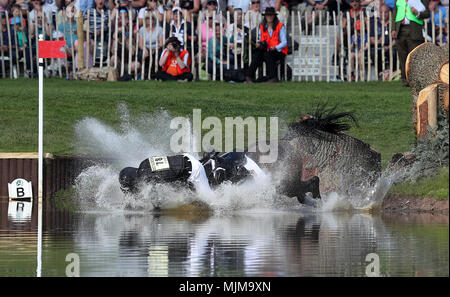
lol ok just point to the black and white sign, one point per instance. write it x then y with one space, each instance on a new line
20 188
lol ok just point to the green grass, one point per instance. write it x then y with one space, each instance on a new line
383 109
432 187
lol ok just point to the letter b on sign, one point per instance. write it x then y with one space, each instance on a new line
20 188
20 192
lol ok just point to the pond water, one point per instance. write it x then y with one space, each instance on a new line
240 243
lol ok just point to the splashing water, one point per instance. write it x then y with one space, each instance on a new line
149 135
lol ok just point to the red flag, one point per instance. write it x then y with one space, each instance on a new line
51 49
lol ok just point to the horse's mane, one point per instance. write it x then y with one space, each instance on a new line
324 119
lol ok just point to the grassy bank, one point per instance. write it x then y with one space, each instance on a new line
433 187
383 109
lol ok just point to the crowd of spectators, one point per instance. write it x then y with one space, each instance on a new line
153 21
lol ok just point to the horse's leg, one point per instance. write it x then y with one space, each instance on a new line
312 186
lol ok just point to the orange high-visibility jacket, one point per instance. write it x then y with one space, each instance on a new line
182 54
275 39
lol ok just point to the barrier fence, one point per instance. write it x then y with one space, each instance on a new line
322 46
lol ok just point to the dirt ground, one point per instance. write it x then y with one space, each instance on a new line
402 203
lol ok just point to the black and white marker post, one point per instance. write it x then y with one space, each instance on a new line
40 159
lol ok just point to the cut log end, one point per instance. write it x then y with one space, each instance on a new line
408 58
431 101
443 73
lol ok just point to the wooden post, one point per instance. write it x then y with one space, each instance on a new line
36 39
17 48
193 47
391 60
257 39
235 40
122 56
228 40
335 75
102 39
80 38
185 40
156 61
243 39
9 47
293 45
116 39
150 63
30 45
313 16
356 64
369 59
72 48
144 47
320 46
448 25
349 51
250 40
363 45
66 63
433 28
95 38
130 41
108 50
221 46
199 28
88 40
206 45
383 52
24 44
136 51
1 47
306 47
440 27
299 45
328 46
341 46
214 44
375 33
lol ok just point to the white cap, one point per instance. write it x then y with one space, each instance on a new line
177 8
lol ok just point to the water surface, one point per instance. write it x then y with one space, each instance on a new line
240 243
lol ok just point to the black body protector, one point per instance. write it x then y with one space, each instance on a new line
177 169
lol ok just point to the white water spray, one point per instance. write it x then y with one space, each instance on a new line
149 135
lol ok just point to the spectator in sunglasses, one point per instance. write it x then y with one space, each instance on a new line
211 7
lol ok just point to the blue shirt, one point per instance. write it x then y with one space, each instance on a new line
443 11
86 4
390 3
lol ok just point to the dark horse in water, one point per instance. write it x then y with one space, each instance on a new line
317 148
315 155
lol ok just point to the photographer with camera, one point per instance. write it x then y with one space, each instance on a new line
271 47
175 62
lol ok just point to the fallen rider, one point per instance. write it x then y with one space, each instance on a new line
205 174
